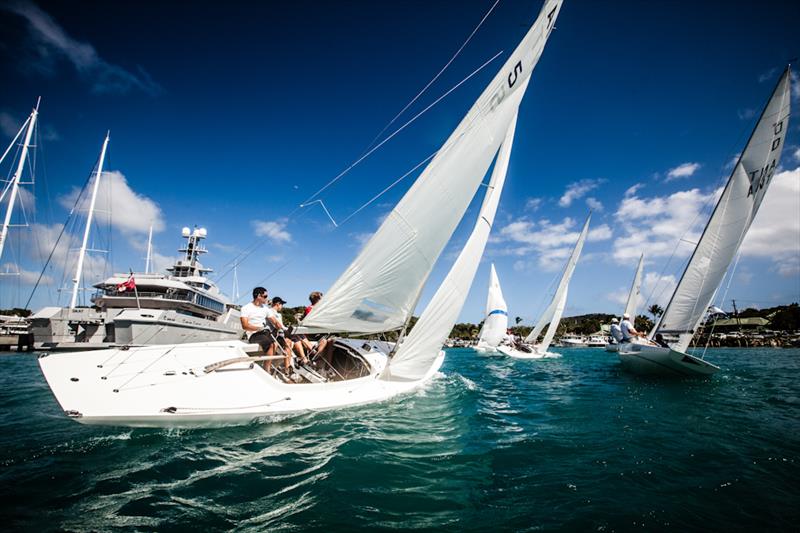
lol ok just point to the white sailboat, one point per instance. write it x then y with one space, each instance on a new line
718 245
216 383
633 301
528 349
495 324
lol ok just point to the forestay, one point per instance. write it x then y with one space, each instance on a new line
633 296
496 322
730 220
417 353
552 314
378 291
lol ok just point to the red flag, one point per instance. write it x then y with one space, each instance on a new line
128 285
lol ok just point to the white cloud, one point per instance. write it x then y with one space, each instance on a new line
630 191
599 233
775 232
746 114
533 204
768 75
577 190
552 243
9 125
655 226
130 211
796 154
51 43
655 290
26 277
684 170
594 204
274 230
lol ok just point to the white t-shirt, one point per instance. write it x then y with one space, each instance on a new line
272 313
256 316
626 328
616 332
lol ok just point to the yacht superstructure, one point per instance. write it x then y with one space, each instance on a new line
140 309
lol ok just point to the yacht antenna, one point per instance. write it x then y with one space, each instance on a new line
149 251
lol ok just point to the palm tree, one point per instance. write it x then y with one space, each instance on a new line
656 311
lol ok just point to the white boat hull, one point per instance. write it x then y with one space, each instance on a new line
656 360
519 354
159 386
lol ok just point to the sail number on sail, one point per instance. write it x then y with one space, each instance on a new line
759 178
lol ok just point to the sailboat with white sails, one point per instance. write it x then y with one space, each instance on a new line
632 303
216 383
495 324
717 248
528 349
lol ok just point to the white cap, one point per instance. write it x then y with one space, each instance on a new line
626 316
614 320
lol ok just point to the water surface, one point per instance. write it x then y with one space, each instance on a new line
570 443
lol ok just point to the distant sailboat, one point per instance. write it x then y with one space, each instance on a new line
722 236
495 324
528 349
216 383
633 300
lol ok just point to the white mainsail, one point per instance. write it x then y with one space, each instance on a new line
496 322
421 347
552 314
633 296
379 290
730 220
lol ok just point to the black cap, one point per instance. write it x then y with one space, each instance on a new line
278 300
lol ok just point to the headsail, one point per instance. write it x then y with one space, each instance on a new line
730 220
552 314
416 355
496 322
378 291
633 296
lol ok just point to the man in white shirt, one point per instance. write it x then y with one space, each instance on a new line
276 320
254 322
616 331
628 331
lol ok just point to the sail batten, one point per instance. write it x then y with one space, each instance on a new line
379 289
730 220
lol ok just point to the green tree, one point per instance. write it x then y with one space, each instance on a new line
656 311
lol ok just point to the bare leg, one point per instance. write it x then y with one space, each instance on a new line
298 348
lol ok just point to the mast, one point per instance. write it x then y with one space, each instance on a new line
82 254
149 250
17 176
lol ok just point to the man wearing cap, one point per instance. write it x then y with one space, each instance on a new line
616 332
628 331
254 320
276 320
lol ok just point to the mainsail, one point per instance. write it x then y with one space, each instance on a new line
417 353
633 296
379 290
496 322
730 220
552 314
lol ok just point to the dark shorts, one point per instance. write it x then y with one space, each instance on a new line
261 338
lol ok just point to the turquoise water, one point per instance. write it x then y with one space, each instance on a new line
570 443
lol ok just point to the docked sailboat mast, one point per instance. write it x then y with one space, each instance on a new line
149 257
82 254
17 176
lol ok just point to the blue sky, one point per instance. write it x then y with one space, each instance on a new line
230 116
